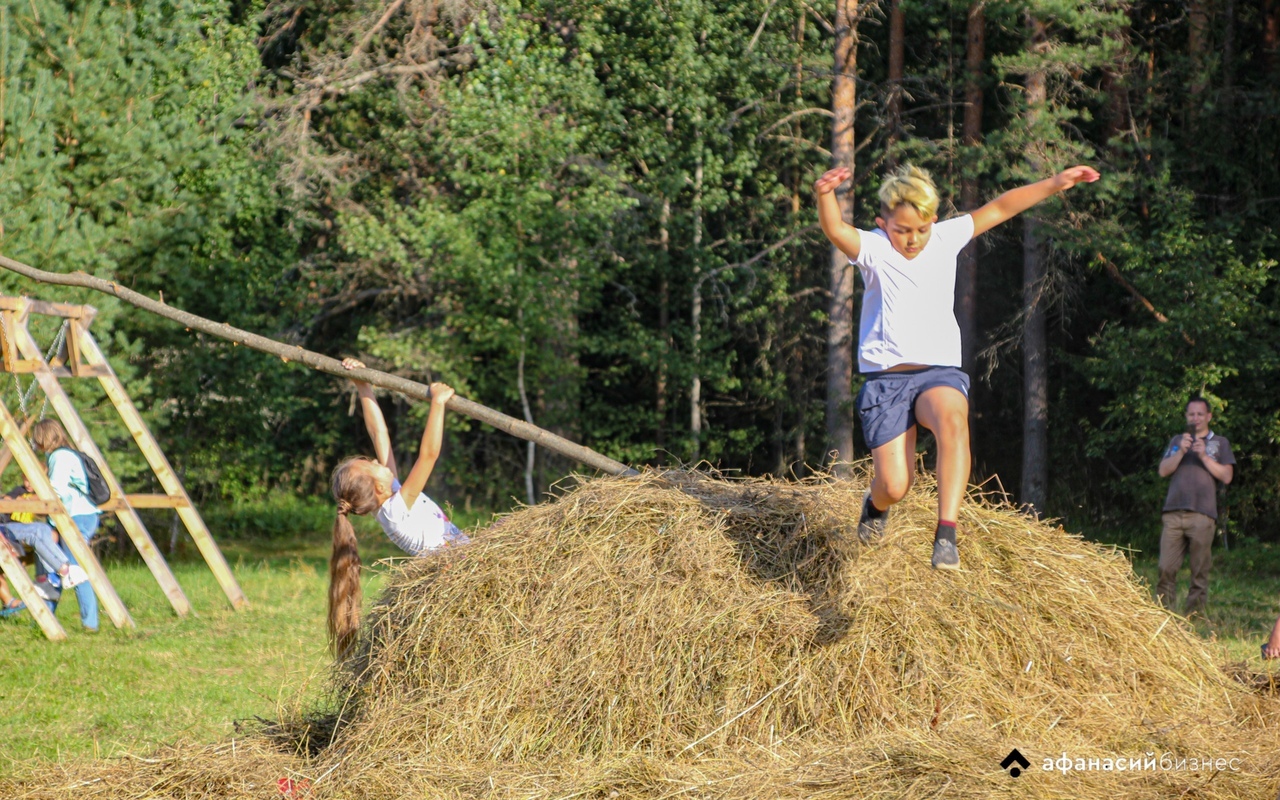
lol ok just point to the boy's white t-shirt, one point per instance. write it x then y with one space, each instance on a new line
908 308
414 530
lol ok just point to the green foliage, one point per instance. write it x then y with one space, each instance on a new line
128 150
611 201
274 517
1211 293
575 197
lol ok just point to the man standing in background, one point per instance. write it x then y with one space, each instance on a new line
1197 460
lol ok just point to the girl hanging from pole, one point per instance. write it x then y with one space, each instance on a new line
366 486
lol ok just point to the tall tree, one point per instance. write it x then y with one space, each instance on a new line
1197 49
967 268
897 59
1271 34
840 329
1035 353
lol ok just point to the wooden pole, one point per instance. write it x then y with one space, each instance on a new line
175 493
6 455
333 366
21 582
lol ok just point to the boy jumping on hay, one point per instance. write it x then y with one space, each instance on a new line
909 340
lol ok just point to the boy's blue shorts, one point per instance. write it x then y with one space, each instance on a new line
887 401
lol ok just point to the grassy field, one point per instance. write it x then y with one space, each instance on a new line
193 679
171 678
1244 597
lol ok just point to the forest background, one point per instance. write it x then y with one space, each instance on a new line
598 216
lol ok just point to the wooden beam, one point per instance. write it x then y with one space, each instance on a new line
5 454
73 346
45 308
156 501
8 350
408 388
23 366
164 472
129 518
18 505
70 534
21 583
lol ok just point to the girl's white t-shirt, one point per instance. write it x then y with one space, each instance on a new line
908 308
414 530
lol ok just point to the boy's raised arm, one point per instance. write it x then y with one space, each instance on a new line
1015 201
842 234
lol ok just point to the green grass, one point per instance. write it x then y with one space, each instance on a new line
192 679
1244 597
171 678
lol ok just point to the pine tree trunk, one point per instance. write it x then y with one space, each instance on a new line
1228 63
967 268
1115 86
1035 368
840 337
531 495
695 387
664 329
897 33
800 382
1271 34
1197 42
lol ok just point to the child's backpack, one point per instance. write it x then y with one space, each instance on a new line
99 492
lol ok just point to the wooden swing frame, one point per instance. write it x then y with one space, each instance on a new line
82 358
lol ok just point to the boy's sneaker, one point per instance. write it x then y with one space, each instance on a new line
46 589
74 577
945 555
871 529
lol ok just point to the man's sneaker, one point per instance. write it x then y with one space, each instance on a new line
46 589
74 577
945 555
871 529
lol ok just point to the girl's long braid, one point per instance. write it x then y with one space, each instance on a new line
353 489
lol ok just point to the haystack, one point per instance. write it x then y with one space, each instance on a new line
683 636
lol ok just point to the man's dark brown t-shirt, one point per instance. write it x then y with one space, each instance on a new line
1191 487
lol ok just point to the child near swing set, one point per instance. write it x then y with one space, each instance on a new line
363 485
56 567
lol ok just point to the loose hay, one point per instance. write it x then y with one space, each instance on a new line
678 635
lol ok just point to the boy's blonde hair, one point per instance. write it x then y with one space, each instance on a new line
912 186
